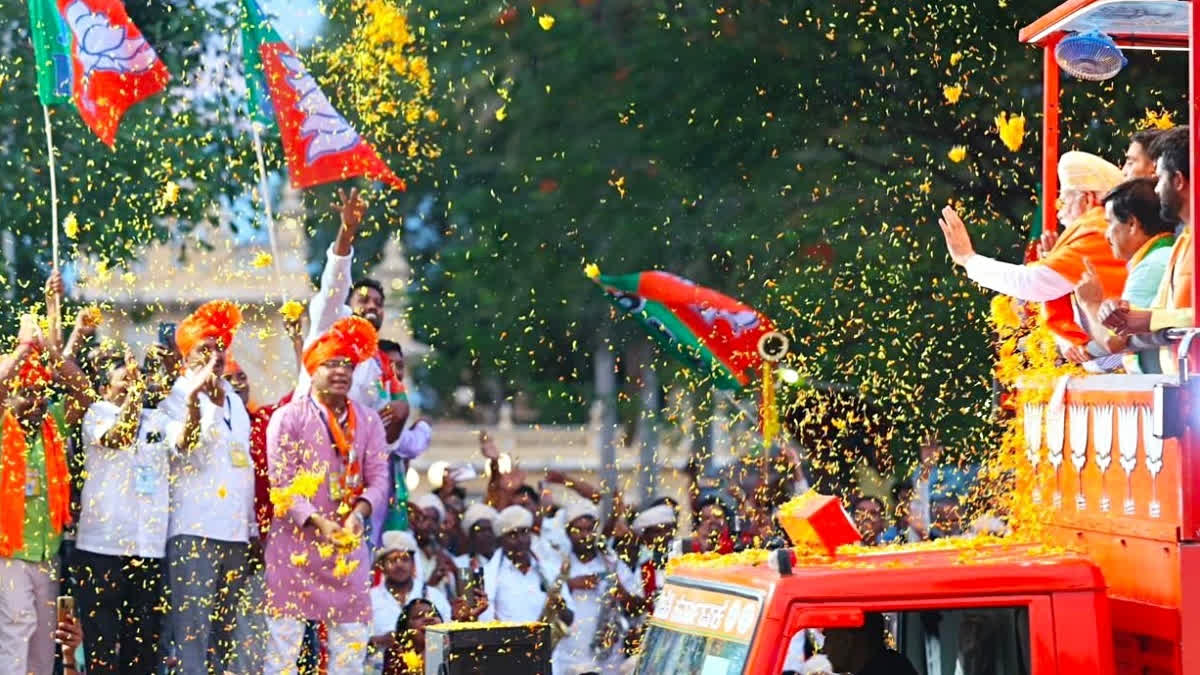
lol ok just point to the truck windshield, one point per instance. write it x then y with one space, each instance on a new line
699 631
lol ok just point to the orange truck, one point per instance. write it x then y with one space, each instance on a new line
1113 461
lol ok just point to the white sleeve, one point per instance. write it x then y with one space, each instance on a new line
1034 283
326 306
99 419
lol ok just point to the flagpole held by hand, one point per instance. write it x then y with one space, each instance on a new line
266 199
54 313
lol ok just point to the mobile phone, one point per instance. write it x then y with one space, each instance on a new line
66 608
166 334
477 577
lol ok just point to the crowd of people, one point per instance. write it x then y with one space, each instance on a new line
1120 273
199 533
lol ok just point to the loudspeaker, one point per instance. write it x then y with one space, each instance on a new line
484 649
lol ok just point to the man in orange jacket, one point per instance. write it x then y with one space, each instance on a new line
1084 179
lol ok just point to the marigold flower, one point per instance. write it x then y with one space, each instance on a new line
952 92
292 310
262 260
957 154
1011 130
71 226
546 21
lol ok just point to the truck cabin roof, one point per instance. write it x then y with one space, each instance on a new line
1133 24
879 576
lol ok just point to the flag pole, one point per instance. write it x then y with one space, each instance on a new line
54 313
266 200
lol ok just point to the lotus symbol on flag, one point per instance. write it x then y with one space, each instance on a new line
104 46
326 130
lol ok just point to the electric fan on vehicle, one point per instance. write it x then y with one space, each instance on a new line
1090 56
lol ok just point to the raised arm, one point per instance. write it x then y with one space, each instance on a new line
326 305
580 487
190 435
123 434
86 322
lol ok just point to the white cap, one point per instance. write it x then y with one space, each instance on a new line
393 541
512 518
1088 173
476 512
578 508
431 501
662 514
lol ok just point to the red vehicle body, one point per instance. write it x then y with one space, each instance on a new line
1118 493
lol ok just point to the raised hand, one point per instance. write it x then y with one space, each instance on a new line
958 242
1089 291
351 208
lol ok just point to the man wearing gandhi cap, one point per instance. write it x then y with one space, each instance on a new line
1084 179
517 583
396 560
595 638
481 537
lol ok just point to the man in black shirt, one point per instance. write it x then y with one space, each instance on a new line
864 651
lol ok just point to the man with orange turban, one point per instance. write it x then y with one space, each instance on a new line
376 383
340 441
34 488
212 498
1084 179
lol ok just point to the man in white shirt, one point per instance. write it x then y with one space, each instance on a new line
375 383
481 537
595 594
122 534
1084 179
212 499
435 565
518 585
395 559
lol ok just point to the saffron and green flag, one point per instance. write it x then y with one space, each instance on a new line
318 142
701 328
51 52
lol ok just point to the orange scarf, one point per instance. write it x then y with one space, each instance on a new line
1083 240
343 439
14 449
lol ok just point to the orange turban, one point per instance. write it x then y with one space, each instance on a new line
353 338
217 319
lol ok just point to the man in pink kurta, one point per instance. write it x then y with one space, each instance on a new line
318 566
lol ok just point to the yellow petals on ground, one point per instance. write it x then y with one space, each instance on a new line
952 92
1011 130
957 154
292 310
546 21
71 226
262 260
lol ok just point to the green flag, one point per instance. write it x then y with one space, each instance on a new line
52 52
256 32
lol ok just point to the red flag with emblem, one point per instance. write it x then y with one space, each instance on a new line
320 145
114 67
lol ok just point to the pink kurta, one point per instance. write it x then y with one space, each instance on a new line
297 439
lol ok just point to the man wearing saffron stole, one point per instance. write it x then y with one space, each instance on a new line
375 384
34 489
327 458
1084 179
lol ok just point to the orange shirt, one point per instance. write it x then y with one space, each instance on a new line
1082 240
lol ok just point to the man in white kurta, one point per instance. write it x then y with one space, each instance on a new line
516 582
